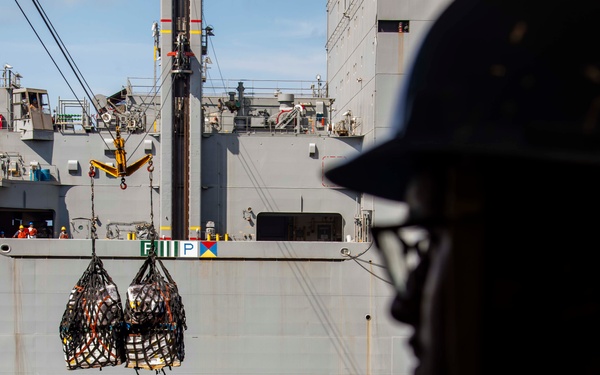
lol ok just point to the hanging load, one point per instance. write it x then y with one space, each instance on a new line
91 329
154 319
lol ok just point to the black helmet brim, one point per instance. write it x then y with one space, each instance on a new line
493 78
382 171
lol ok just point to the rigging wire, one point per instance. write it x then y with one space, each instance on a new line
155 117
74 68
54 61
356 258
373 274
92 174
217 62
163 78
66 53
209 40
44 45
47 51
152 235
77 72
208 75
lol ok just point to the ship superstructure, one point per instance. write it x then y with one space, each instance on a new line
274 263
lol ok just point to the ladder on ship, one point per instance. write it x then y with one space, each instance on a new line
288 117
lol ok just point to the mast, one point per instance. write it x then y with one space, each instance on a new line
195 120
181 29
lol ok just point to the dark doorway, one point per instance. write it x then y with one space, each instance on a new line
43 220
321 227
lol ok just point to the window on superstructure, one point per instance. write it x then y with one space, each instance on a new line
393 26
299 226
11 218
44 103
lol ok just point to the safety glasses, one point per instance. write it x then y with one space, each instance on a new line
402 247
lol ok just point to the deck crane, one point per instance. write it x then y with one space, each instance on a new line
121 169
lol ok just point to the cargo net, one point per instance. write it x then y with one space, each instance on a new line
154 318
91 329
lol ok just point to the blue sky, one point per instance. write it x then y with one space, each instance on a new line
111 40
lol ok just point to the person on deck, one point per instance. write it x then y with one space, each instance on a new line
32 231
63 233
34 104
21 233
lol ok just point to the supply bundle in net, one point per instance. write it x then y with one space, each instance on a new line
154 318
91 328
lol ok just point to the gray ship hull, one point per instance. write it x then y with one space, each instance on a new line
260 307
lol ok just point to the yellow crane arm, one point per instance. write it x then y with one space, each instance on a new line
135 166
121 170
105 167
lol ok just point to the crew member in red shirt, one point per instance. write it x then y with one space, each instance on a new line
21 233
63 233
32 231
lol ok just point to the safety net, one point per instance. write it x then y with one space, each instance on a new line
91 328
154 319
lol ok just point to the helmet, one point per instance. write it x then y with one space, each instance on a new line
31 223
21 227
63 228
491 79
